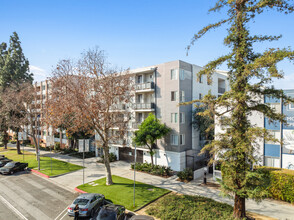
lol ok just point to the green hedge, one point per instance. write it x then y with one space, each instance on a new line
186 174
282 184
155 169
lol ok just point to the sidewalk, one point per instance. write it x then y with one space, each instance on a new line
93 171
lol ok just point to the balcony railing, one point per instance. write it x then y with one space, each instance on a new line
118 107
221 90
144 86
144 106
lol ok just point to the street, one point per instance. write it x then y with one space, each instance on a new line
27 196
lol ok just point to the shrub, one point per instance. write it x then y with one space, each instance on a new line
112 158
155 169
57 146
26 142
186 174
281 184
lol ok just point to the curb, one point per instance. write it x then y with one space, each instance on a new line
79 190
39 173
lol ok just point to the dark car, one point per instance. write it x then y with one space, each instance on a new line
4 162
3 158
88 204
141 217
112 212
13 167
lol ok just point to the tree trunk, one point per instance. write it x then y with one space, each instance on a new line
18 147
239 207
107 166
36 146
60 138
151 155
5 145
5 139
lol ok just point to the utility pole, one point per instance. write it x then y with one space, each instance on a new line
38 123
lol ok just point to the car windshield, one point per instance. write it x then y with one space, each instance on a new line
9 165
81 201
106 215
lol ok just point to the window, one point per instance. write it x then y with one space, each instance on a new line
182 96
140 79
200 79
174 140
140 98
174 117
173 96
173 74
151 76
43 87
182 139
200 96
182 117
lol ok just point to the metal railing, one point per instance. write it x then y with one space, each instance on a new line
144 86
138 106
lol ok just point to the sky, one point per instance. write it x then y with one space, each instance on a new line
133 33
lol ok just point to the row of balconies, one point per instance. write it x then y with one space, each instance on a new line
135 106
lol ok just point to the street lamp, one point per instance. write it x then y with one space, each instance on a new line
135 173
38 126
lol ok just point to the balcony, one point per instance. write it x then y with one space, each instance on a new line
144 107
221 90
148 86
118 107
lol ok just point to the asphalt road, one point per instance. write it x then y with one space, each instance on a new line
27 196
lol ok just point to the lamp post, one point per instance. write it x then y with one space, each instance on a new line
135 174
38 126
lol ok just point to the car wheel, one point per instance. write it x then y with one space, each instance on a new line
11 172
92 213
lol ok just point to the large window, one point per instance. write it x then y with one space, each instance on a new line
174 117
182 117
173 74
174 139
182 96
173 96
182 139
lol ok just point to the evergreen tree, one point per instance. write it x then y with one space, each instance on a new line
249 75
14 71
149 131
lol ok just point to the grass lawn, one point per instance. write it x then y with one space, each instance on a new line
3 149
121 192
58 167
172 207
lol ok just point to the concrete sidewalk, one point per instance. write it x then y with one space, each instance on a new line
94 171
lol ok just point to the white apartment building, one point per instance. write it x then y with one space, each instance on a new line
159 90
274 154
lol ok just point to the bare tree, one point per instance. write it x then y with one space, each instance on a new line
23 111
93 96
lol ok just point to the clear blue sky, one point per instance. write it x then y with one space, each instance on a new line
134 33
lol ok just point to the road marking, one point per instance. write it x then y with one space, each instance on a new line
13 208
61 214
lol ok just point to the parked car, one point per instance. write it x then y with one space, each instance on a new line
3 158
141 217
13 167
111 212
88 204
4 162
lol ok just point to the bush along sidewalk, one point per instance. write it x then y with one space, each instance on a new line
281 185
112 158
157 170
186 175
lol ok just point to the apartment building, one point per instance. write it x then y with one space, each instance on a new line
159 89
274 154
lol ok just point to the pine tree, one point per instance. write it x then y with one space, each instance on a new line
14 71
235 149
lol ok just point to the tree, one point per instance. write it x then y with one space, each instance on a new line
20 108
249 75
14 70
97 95
149 131
204 123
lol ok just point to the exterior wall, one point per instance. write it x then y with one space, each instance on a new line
177 161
